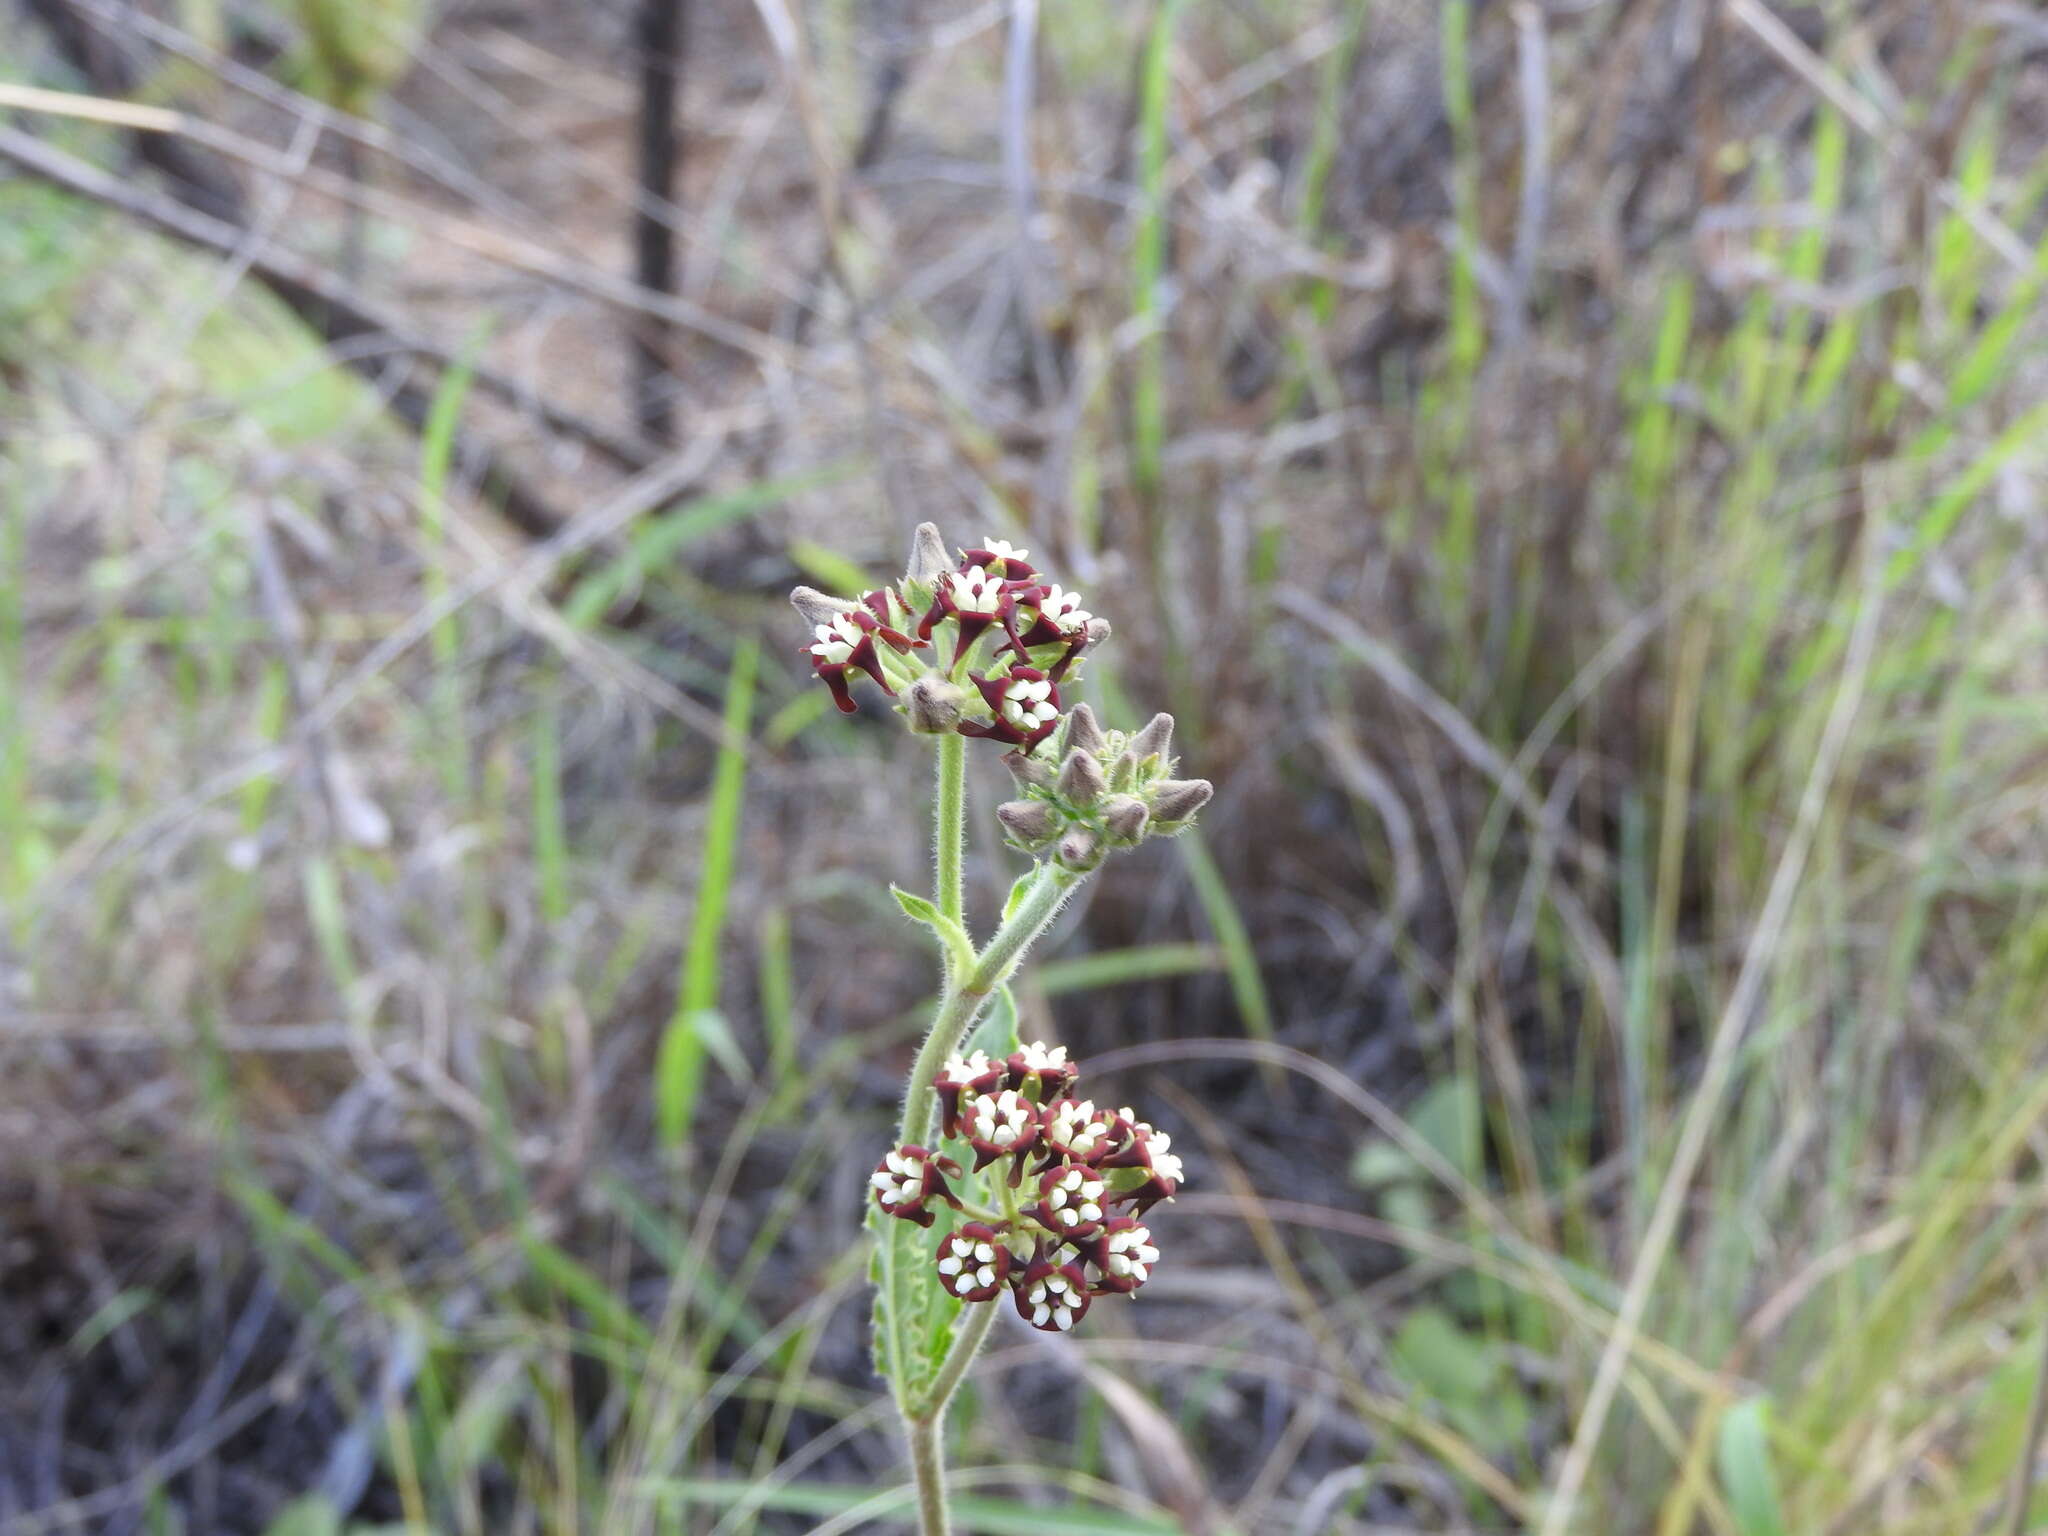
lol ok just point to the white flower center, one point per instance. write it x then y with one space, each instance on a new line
1040 1057
976 591
1027 701
1000 1120
1076 1128
968 1266
1005 551
1053 1298
964 1069
1130 1255
1075 1199
899 1180
1064 609
836 640
1166 1165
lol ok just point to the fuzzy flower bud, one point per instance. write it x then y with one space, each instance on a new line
1081 777
817 607
1029 772
1175 800
1156 740
1125 816
1084 732
1080 850
929 557
933 706
1030 823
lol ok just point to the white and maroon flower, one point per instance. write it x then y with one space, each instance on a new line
973 598
1150 1155
973 1073
1075 1131
1123 1255
1001 1124
1041 1070
1025 703
1051 1297
973 1264
1005 559
908 1179
1050 615
847 644
1070 1201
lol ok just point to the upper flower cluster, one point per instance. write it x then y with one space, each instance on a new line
981 620
1111 789
1055 1239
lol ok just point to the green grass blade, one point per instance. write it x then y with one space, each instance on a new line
679 1069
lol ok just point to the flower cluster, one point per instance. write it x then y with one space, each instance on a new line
975 642
1062 1169
1111 789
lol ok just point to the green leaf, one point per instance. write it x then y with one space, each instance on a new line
1447 1117
996 1034
1019 889
120 1309
1744 1453
959 947
913 1316
1465 1374
679 1063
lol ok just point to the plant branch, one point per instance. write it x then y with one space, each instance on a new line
959 1356
1046 889
950 826
928 1462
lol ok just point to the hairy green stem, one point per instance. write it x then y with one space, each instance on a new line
963 1000
967 988
966 1345
928 1462
950 825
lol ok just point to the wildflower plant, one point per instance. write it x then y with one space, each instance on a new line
1002 1182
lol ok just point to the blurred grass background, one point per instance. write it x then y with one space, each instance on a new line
1574 469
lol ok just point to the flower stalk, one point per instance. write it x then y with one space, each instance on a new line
1000 1183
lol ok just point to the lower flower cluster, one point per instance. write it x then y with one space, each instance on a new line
1062 1168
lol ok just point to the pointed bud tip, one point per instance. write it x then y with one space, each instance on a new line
1156 740
1125 817
1178 799
819 607
929 557
1084 731
1029 772
1081 777
933 706
1030 822
1080 850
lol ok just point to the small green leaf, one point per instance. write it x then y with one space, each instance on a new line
1019 890
959 948
1744 1453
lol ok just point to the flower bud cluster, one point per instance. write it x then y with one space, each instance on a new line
1062 1167
1110 789
977 643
